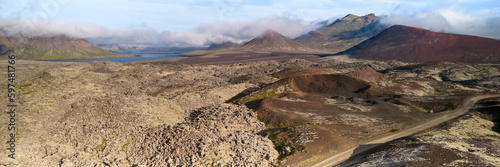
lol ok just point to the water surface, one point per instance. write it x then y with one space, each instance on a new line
139 56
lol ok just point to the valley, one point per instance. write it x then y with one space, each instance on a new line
294 112
355 92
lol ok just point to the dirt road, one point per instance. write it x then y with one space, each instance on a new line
462 109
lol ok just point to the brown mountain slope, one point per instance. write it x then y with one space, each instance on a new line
5 45
51 47
343 34
223 45
274 42
411 44
270 45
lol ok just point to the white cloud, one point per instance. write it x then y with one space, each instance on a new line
450 20
204 34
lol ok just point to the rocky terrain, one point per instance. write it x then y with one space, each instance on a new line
87 114
471 140
341 111
167 113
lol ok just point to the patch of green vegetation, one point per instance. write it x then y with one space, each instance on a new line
312 123
299 123
262 84
252 104
33 52
266 122
23 86
451 104
394 130
411 140
124 146
266 94
397 80
102 146
274 76
28 92
496 120
293 150
281 143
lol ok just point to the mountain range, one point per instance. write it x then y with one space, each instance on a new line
51 47
223 45
343 33
358 36
272 41
365 38
270 45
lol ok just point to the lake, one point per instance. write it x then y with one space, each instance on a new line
140 56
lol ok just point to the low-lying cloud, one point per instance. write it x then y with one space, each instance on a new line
450 20
204 34
442 20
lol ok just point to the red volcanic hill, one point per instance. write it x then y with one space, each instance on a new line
410 44
274 42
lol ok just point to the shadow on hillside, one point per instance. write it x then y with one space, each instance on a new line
360 154
491 109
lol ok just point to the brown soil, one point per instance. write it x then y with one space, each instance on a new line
291 72
232 57
369 75
341 110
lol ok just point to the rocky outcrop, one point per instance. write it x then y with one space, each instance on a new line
221 135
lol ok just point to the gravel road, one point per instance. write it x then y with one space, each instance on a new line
462 109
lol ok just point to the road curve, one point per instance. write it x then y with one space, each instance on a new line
462 109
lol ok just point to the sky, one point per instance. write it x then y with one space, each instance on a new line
201 22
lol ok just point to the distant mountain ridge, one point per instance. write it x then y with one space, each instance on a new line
223 45
273 41
412 44
270 45
343 33
49 47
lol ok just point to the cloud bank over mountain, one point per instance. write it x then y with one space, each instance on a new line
204 34
449 20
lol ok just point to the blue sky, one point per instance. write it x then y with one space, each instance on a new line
185 17
187 14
